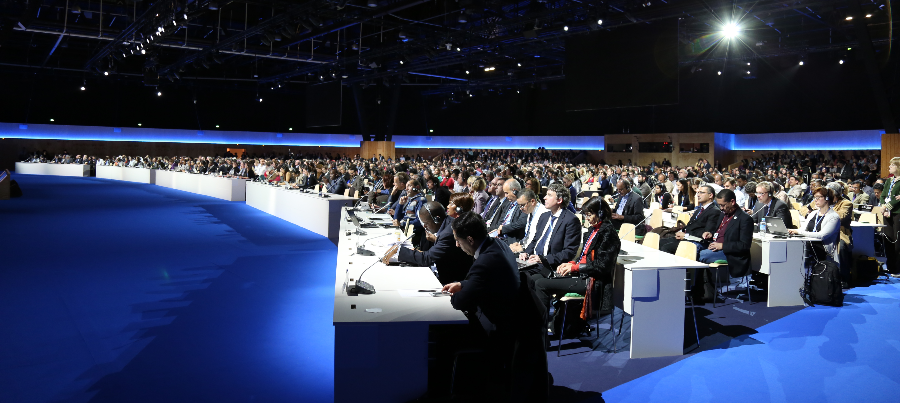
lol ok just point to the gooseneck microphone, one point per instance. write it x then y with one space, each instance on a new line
362 287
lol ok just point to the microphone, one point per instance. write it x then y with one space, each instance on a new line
362 287
365 252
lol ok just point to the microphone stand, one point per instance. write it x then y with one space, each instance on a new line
361 287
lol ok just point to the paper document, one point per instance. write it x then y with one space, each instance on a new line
689 237
416 293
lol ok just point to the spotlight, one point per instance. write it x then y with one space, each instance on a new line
159 93
868 15
599 22
730 30
467 71
105 73
720 73
458 50
260 100
462 18
401 62
841 61
520 64
52 120
372 3
801 62
82 88
566 28
430 130
143 52
748 63
290 129
217 126
748 71
139 124
849 18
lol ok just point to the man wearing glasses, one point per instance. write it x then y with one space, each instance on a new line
769 206
530 206
732 237
703 220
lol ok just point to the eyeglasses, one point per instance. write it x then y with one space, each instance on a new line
818 197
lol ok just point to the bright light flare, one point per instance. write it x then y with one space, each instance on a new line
730 30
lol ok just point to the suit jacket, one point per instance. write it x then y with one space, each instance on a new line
481 198
515 230
777 209
706 222
563 242
605 187
492 208
452 263
861 199
491 284
337 186
498 214
601 255
889 196
736 243
633 212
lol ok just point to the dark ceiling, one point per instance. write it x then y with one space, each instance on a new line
228 54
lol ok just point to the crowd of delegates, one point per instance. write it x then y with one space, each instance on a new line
475 212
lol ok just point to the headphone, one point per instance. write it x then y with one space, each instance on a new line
434 217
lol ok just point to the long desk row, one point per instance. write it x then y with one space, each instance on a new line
308 210
35 168
231 189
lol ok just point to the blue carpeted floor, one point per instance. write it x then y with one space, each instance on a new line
118 292
819 354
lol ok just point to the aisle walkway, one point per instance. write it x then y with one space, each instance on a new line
118 292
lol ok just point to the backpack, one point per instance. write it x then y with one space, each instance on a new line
823 285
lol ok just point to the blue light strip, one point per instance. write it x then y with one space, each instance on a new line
432 75
98 133
812 141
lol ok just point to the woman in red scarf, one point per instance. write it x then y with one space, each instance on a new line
596 263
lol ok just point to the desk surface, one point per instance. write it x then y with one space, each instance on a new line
654 259
389 282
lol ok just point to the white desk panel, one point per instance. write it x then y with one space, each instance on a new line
308 210
31 168
139 175
230 189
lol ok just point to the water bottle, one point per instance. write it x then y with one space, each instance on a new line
762 225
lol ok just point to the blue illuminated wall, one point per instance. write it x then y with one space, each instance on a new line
97 133
846 140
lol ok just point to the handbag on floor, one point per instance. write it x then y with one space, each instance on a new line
823 285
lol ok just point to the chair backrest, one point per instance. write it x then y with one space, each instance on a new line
879 217
580 219
795 217
347 192
656 218
687 250
684 217
654 205
651 240
409 230
356 194
868 218
803 211
626 232
429 197
796 206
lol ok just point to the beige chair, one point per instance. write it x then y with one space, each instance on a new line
347 192
795 218
684 217
687 250
654 205
626 232
356 194
656 218
868 218
651 240
879 216
580 219
429 197
796 206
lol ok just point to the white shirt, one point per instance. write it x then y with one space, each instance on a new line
539 210
550 229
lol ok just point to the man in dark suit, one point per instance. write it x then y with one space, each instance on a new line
732 237
510 222
629 208
558 233
705 218
493 280
768 206
496 202
452 263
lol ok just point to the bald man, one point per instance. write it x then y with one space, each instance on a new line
452 263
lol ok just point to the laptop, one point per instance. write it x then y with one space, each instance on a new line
775 225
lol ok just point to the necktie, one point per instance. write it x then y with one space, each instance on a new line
487 208
539 249
509 213
767 209
697 212
527 227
